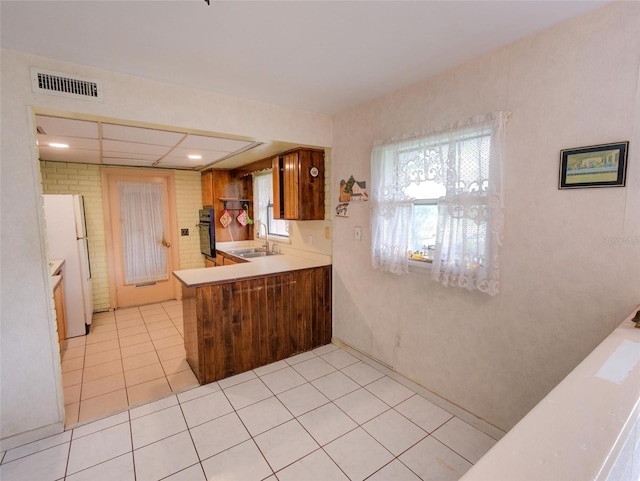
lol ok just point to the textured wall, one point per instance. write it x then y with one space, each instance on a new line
564 285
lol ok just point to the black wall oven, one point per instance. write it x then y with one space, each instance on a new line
207 230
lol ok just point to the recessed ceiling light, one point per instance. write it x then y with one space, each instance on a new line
58 145
194 156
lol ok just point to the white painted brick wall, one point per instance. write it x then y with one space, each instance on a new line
188 203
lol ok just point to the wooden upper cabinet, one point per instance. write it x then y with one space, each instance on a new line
298 185
207 188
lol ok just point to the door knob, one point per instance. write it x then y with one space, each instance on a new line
166 244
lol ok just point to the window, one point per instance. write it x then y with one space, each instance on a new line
263 204
424 219
437 198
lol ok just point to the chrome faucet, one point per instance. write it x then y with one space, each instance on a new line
265 244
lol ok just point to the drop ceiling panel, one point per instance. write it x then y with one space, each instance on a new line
134 148
70 155
129 162
182 163
108 156
107 143
201 142
67 127
74 142
141 135
207 155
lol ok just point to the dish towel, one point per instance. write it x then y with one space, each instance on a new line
242 218
226 219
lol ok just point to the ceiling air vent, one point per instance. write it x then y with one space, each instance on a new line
65 85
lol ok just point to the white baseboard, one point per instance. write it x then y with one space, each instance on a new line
448 406
30 436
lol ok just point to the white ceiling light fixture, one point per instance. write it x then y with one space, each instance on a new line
58 145
194 156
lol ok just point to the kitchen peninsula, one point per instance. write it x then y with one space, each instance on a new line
243 316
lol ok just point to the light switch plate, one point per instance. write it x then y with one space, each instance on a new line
358 233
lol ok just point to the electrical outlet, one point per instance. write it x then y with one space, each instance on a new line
184 232
310 239
358 233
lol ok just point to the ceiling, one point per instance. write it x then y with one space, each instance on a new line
104 143
320 56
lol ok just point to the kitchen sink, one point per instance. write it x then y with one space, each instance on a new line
251 252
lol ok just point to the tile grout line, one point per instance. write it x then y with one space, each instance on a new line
195 448
138 316
358 425
126 388
294 417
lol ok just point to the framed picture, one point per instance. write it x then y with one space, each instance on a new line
595 166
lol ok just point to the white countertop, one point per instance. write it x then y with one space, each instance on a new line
255 267
55 265
578 429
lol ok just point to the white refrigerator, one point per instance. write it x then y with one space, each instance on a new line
67 238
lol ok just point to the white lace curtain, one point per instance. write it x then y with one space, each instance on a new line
261 188
142 218
465 157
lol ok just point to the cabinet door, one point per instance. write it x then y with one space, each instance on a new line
292 186
209 262
277 173
207 188
311 179
286 187
228 262
298 185
61 315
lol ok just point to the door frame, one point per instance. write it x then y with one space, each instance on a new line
106 174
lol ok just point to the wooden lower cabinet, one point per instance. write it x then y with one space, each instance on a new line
228 262
224 259
233 327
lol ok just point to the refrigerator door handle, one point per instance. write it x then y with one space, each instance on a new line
86 246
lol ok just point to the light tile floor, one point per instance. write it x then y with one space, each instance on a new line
130 357
322 415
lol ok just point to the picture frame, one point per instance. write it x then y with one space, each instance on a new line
602 165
